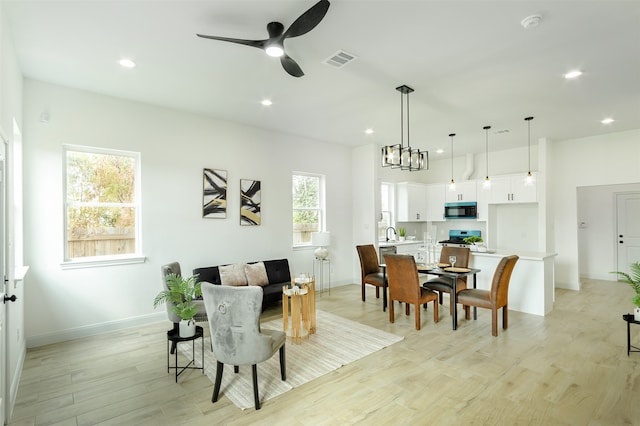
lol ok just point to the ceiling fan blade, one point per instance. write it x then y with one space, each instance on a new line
308 20
291 66
253 43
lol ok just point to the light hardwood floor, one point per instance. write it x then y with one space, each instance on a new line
568 368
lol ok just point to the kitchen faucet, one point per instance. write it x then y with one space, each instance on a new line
386 232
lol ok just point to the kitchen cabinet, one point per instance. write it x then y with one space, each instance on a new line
483 200
411 202
435 202
465 191
512 189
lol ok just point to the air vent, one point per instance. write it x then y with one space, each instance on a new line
498 132
340 59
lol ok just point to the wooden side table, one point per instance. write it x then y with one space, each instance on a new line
629 319
303 311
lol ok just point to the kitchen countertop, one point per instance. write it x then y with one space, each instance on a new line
398 243
525 255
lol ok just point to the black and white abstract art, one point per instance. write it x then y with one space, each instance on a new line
250 202
214 194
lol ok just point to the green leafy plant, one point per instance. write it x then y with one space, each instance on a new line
473 239
402 232
181 292
633 280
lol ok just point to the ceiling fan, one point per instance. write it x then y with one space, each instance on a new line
274 45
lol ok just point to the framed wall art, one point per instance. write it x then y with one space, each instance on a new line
214 194
250 202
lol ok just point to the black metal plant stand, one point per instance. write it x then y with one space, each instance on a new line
173 338
630 319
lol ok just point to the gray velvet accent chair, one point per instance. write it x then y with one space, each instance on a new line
201 316
236 337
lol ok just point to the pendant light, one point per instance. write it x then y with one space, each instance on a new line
452 184
487 182
529 179
401 156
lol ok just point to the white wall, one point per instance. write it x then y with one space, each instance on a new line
597 242
598 160
175 147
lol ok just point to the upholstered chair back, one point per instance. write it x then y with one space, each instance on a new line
501 279
168 269
404 284
234 324
368 259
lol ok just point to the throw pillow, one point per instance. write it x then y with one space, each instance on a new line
233 275
256 274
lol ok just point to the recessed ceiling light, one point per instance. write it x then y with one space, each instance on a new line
607 120
573 74
127 63
369 131
439 151
266 102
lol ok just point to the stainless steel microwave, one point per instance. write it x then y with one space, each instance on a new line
464 210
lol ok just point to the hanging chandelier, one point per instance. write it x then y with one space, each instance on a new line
403 157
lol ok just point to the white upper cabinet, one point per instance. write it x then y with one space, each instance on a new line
412 202
512 189
435 202
465 191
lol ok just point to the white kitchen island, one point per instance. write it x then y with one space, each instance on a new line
531 289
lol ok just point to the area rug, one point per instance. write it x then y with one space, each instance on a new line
337 342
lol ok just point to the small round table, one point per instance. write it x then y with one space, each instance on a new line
629 319
173 337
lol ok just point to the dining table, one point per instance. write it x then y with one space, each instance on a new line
443 271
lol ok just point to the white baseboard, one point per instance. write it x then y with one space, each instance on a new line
94 329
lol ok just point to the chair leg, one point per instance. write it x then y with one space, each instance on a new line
407 309
254 373
417 315
216 386
283 364
363 293
236 369
440 297
436 317
450 305
467 312
391 314
494 321
377 292
505 317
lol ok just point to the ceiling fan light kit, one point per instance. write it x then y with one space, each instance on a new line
274 45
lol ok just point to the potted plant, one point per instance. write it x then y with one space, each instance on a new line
633 280
402 233
472 240
181 292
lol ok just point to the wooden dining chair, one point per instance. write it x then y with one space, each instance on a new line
404 286
494 299
370 269
443 284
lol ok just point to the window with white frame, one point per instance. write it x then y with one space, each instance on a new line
308 205
102 204
386 208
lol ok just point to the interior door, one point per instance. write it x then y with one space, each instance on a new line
3 287
628 229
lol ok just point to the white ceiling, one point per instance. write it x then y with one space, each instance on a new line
470 63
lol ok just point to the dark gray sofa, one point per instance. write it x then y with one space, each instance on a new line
278 274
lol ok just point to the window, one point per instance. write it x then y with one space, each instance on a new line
102 205
386 207
308 207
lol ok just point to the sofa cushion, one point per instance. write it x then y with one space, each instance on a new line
278 271
233 275
256 274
